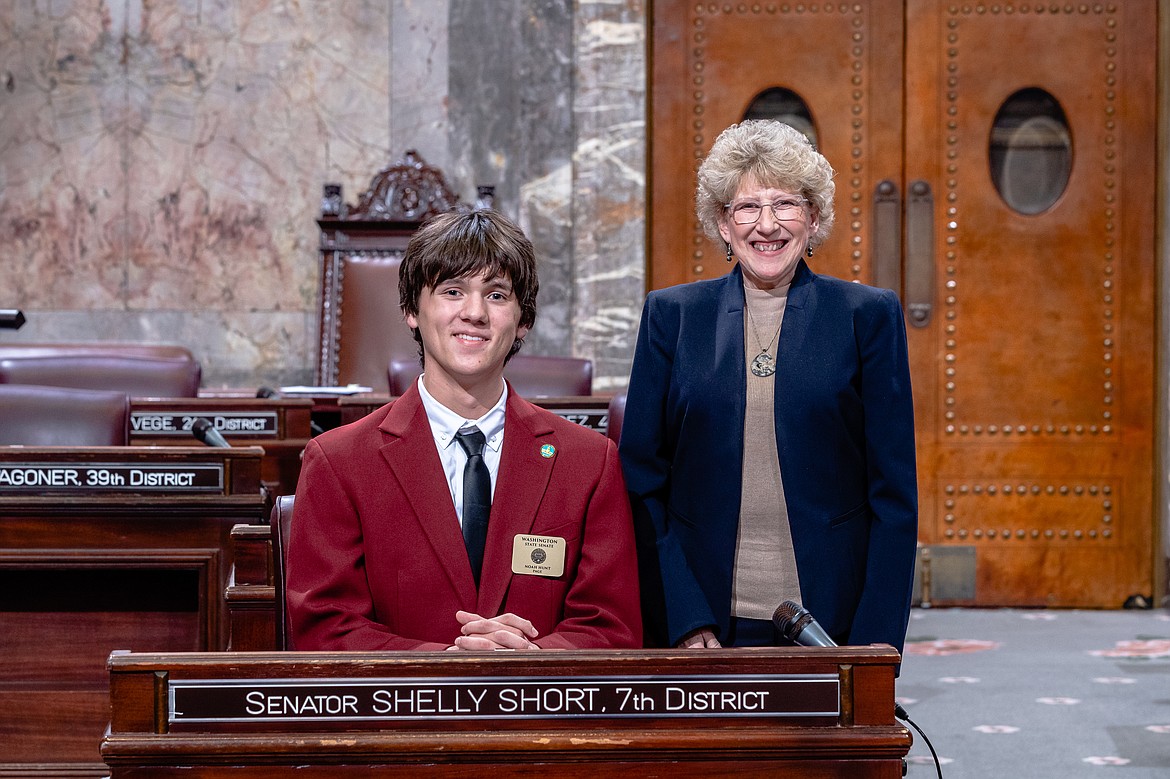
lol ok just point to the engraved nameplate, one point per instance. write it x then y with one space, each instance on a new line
356 700
246 424
593 418
111 477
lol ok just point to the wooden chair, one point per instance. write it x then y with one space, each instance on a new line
280 526
57 416
360 323
531 375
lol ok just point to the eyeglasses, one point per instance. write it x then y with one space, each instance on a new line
749 213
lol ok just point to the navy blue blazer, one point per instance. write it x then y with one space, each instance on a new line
844 433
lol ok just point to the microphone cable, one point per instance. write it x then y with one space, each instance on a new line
901 714
797 625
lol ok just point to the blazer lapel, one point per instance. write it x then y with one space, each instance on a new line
729 326
730 366
520 486
795 326
411 455
791 352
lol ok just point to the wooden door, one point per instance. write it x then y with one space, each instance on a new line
1029 290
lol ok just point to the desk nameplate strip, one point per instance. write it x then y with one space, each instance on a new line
250 424
364 700
592 418
110 477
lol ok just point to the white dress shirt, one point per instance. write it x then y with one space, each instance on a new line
445 423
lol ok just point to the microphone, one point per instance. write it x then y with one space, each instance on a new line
267 392
206 432
11 318
798 626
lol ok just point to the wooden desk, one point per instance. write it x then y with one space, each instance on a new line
793 712
590 411
280 425
106 548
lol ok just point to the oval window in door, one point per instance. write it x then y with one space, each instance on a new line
1031 151
785 106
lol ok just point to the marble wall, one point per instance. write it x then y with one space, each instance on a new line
162 163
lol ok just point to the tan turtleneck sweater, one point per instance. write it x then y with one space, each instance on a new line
765 564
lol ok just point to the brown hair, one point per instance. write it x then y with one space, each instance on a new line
455 245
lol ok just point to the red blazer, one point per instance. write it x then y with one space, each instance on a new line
376 558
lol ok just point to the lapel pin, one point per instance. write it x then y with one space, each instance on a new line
547 451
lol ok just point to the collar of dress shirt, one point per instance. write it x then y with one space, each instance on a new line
445 423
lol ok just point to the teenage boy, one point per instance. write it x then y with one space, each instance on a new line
460 516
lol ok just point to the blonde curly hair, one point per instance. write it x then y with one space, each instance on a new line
775 155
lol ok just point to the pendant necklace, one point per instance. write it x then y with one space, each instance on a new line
764 365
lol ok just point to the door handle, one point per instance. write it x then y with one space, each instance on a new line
887 236
920 253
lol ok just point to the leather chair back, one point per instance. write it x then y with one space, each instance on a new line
140 376
98 348
531 375
401 373
617 414
541 376
281 526
366 325
57 416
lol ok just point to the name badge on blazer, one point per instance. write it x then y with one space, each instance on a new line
538 555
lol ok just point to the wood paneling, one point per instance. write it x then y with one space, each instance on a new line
88 569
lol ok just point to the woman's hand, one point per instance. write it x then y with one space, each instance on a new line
703 638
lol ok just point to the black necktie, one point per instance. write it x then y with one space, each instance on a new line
477 497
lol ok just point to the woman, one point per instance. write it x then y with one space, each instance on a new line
768 441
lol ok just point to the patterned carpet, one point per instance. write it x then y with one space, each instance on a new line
1038 693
